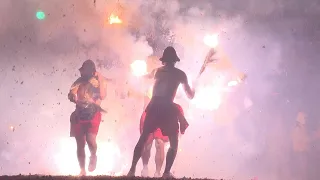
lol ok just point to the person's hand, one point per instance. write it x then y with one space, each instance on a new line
72 97
195 84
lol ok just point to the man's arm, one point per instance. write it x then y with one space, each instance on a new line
72 95
190 92
102 86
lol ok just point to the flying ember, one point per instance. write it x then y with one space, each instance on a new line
232 83
113 19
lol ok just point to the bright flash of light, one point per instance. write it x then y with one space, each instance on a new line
207 98
232 83
113 19
139 68
211 40
12 128
66 158
40 15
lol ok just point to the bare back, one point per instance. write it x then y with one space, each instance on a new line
167 81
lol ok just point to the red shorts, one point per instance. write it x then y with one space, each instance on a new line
161 114
157 134
80 128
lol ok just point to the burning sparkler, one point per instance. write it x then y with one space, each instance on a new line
212 42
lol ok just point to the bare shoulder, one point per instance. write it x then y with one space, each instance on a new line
76 83
181 73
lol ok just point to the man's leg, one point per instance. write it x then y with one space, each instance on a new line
92 144
146 156
138 152
159 158
171 155
81 142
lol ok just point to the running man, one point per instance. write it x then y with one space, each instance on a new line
87 92
162 112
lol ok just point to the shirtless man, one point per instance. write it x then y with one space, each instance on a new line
87 93
161 112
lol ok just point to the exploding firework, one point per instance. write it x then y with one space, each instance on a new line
114 19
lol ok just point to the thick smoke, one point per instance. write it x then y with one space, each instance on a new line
40 60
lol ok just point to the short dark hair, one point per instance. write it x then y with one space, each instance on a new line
89 64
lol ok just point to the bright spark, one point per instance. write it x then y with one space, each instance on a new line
139 68
211 40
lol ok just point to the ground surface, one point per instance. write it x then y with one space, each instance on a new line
35 177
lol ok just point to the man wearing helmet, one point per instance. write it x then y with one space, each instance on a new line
161 111
87 92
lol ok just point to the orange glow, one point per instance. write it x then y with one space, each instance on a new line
114 19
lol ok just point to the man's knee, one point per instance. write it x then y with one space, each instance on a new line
143 139
174 141
81 142
159 143
91 138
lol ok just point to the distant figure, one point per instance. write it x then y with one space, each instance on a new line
87 92
301 143
162 112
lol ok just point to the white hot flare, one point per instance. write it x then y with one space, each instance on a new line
211 40
139 68
207 97
66 159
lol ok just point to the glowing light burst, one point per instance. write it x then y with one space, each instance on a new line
139 68
113 19
211 40
66 159
207 98
40 15
233 83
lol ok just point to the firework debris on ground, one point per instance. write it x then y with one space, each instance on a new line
39 177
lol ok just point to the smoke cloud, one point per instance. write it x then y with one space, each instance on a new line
247 137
